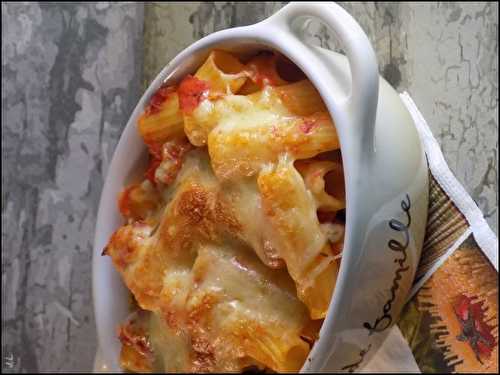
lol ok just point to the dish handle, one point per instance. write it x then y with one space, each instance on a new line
360 105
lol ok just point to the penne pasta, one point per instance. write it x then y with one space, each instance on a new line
164 121
250 87
318 289
291 211
269 337
200 122
139 202
244 149
223 72
301 98
314 173
262 70
269 69
172 154
312 135
280 352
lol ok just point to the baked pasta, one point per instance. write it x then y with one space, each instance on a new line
233 239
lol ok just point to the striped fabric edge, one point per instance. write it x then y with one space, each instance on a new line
438 263
484 236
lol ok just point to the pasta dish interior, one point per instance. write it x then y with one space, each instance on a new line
233 238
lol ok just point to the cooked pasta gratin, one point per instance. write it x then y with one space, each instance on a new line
233 239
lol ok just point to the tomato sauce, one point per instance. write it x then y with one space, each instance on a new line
262 71
155 150
124 201
307 126
159 97
192 91
150 173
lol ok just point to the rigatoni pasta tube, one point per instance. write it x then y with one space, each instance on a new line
291 210
243 150
159 125
301 98
223 72
283 352
314 173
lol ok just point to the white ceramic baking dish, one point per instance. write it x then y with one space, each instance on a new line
385 177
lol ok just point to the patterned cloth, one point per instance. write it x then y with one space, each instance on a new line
450 323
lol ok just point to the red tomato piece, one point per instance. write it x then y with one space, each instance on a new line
192 91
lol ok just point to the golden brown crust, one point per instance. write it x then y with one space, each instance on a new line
136 353
186 251
203 358
125 244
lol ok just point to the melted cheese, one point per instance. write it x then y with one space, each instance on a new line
235 265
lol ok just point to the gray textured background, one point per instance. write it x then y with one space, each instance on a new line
72 73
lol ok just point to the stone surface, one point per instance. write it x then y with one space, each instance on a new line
70 77
71 74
